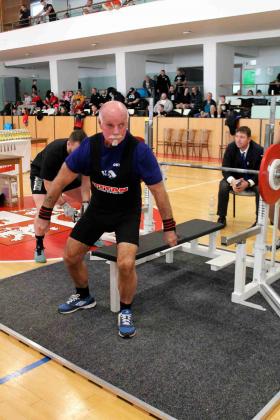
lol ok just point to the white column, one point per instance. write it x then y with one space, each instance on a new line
218 64
130 71
64 75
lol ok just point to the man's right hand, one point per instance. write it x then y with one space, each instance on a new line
41 226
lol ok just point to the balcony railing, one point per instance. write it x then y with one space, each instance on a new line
75 11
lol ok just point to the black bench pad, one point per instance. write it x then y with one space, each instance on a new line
153 242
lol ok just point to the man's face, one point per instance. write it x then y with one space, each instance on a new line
163 96
209 96
113 126
194 90
162 72
93 91
242 140
222 99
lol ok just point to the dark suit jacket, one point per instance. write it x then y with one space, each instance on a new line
232 159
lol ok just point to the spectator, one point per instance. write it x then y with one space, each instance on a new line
7 110
27 100
88 8
150 85
78 95
110 5
24 16
62 111
94 110
196 101
184 101
37 100
179 80
66 15
78 106
223 107
159 111
274 86
34 87
104 97
47 10
243 153
163 83
114 95
132 98
209 106
95 98
167 104
259 93
250 92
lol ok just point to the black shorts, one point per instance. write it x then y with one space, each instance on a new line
94 223
37 185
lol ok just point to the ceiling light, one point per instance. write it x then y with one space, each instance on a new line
27 54
186 32
93 45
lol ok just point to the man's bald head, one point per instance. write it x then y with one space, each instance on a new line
113 120
111 109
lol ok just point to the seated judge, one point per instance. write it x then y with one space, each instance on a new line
242 153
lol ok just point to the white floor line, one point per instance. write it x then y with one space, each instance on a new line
186 187
29 261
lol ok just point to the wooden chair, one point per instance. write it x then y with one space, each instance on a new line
188 140
204 136
166 141
177 141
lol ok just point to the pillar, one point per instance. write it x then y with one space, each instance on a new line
64 75
130 71
218 65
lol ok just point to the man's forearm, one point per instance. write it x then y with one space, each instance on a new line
162 201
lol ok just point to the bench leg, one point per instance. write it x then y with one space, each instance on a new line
169 257
114 290
212 242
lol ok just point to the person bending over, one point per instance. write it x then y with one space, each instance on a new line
243 153
116 163
44 169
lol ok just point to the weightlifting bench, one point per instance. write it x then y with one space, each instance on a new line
152 246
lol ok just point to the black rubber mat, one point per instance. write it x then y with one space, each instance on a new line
195 356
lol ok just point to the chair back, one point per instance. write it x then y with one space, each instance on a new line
204 136
177 135
191 135
167 133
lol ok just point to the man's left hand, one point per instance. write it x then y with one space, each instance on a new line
170 238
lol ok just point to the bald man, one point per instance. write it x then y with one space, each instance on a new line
116 163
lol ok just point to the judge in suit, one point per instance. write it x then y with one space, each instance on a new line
243 153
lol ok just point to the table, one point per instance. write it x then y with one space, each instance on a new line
14 160
17 147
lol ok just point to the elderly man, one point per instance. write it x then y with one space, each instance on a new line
243 153
116 163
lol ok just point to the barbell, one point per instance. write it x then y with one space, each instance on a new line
269 173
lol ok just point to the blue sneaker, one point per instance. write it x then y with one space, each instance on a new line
39 256
74 303
125 323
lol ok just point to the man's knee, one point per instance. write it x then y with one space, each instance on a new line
72 254
126 264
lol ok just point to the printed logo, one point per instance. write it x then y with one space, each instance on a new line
110 174
109 189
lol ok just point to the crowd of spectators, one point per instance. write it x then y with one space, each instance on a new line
170 99
48 11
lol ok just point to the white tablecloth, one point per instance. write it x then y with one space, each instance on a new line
18 147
